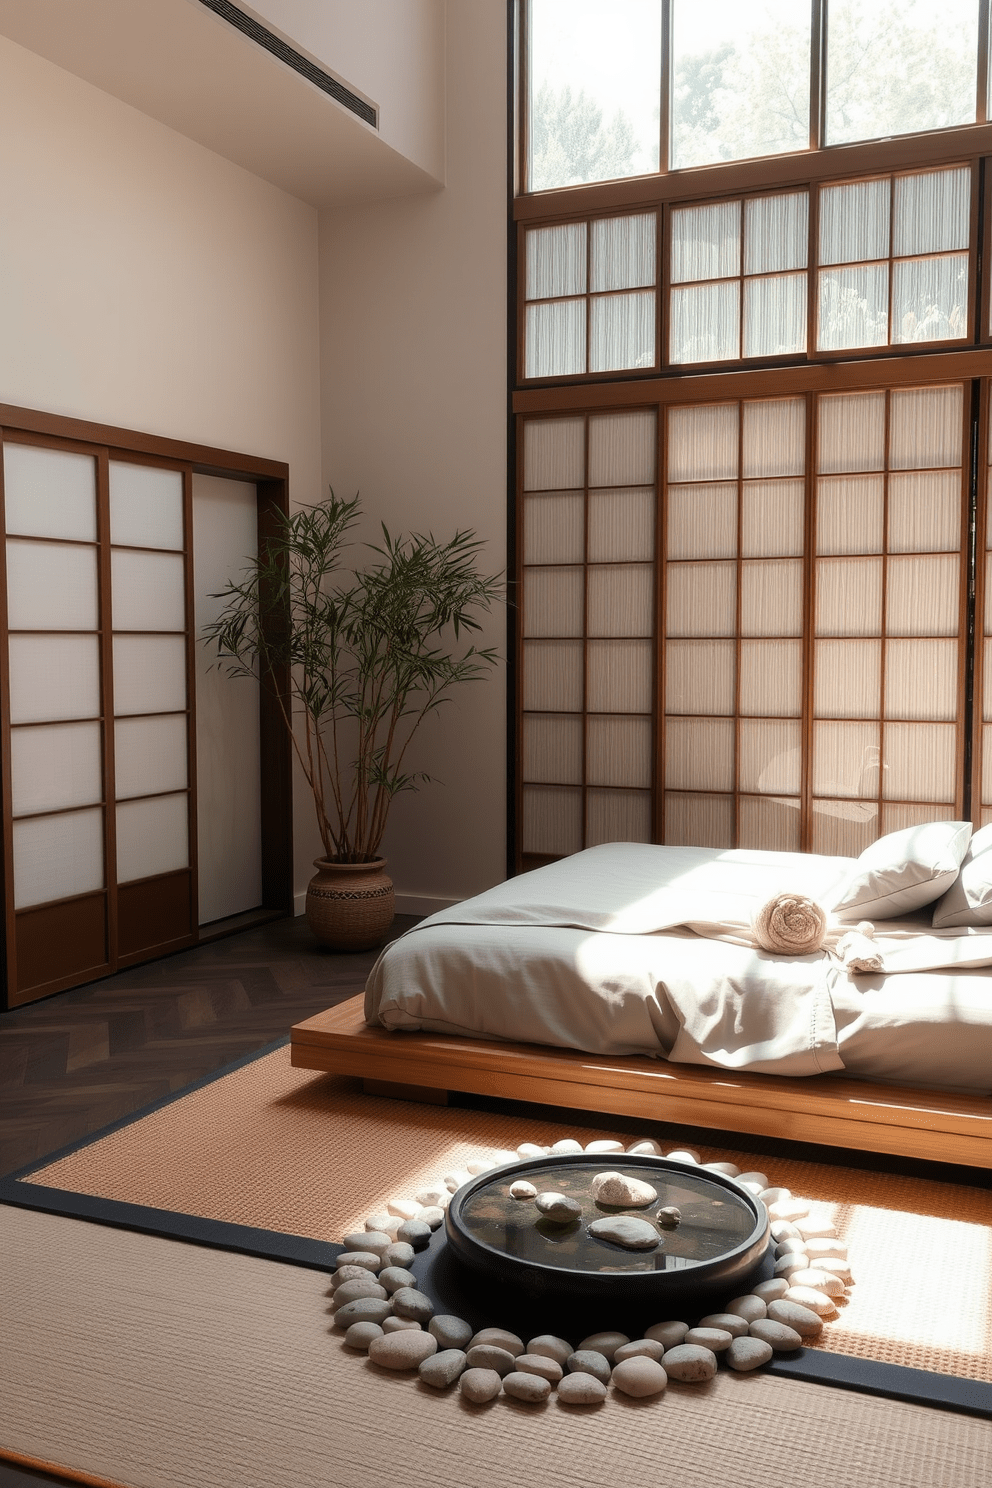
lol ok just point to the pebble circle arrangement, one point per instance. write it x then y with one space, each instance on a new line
377 1305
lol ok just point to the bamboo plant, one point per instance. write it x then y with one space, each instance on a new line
370 652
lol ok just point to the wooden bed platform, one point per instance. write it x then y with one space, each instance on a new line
829 1109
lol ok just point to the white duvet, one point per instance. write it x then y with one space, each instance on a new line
636 949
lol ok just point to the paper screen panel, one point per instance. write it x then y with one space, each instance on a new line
622 449
699 821
617 816
851 434
854 222
553 528
771 679
552 601
705 321
774 437
776 232
621 331
150 755
618 751
555 338
152 837
775 316
925 427
706 242
699 754
553 454
921 679
552 748
850 514
149 674
922 596
149 590
987 763
772 518
699 676
621 525
919 762
556 261
49 493
925 512
987 679
847 679
702 599
853 307
769 824
51 586
146 506
931 211
897 817
53 677
553 676
56 857
846 759
622 252
770 757
843 829
552 820
702 443
702 521
772 597
930 299
621 600
849 596
56 766
620 674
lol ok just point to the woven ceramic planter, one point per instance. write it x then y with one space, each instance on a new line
350 906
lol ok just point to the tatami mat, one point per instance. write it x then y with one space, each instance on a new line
162 1365
310 1154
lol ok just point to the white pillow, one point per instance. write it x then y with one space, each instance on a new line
903 870
969 899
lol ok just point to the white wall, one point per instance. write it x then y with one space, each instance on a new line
413 336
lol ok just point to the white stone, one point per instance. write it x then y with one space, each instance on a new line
478 1165
748 1307
714 1339
826 1249
480 1385
489 1356
625 1230
803 1296
683 1154
427 1197
451 1332
669 1335
362 1310
404 1208
404 1350
531 1149
397 1324
432 1216
639 1377
690 1363
791 1210
364 1258
360 1335
409 1303
398 1254
729 1170
454 1181
821 1281
816 1229
387 1223
775 1195
745 1354
588 1361
394 1277
558 1208
752 1188
795 1260
622 1192
522 1190
783 1229
805 1322
790 1246
772 1291
374 1240
834 1266
728 1322
350 1273
648 1347
581 1389
604 1145
566 1147
502 1157
646 1147
761 1179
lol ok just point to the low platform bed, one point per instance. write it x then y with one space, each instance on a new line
829 1109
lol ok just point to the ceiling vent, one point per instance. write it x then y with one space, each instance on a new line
259 34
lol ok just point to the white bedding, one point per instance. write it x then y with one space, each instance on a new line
635 949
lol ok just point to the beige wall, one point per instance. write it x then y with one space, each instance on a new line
413 336
148 283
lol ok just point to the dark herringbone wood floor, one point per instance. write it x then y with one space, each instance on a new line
76 1062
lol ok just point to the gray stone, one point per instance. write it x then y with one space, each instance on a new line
745 1354
405 1350
748 1307
521 1189
717 1340
394 1277
413 1232
409 1303
351 1273
363 1258
442 1369
373 1240
581 1389
604 1343
531 1388
451 1332
639 1377
670 1217
729 1322
480 1385
625 1230
400 1253
397 1324
501 1338
648 1348
591 1362
350 1291
669 1335
558 1208
363 1310
622 1192
488 1356
782 1338
771 1291
690 1363
548 1369
432 1216
427 1197
551 1348
806 1323
360 1335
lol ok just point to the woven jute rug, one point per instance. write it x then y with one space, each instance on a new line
312 1155
134 1360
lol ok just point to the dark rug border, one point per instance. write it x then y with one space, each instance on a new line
813 1366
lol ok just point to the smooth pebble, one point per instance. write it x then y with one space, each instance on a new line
350 1291
501 1338
816 1229
684 1155
745 1354
480 1385
717 1340
789 1211
805 1322
551 1347
383 1221
400 1253
404 1208
351 1273
834 1266
729 1170
774 1195
413 1232
639 1377
761 1179
441 1370
409 1303
646 1147
581 1389
374 1240
771 1291
488 1356
784 1229
667 1334
567 1146
394 1277
430 1196
432 1217
619 1190
648 1348
604 1145
363 1258
826 1250
398 1324
362 1310
588 1362
729 1322
479 1165
793 1244
360 1335
782 1338
548 1369
821 1281
625 1230
405 1350
604 1343
454 1181
530 1388
811 1297
531 1149
522 1190
748 1307
451 1332
559 1208
793 1260
690 1363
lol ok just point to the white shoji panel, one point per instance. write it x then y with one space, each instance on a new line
771 678
846 759
617 816
847 679
921 679
769 823
553 454
851 435
56 857
623 252
922 596
702 520
619 676
54 677
152 837
622 449
51 586
150 755
843 829
699 754
848 596
556 261
705 322
849 514
55 766
618 751
699 676
49 493
702 599
149 674
925 512
149 591
146 506
553 528
552 748
621 525
621 331
555 338
552 601
774 437
553 676
702 443
919 762
552 820
770 757
621 600
772 597
699 821
772 518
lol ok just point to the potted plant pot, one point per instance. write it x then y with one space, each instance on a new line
350 906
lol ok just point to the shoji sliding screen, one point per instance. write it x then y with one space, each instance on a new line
96 713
